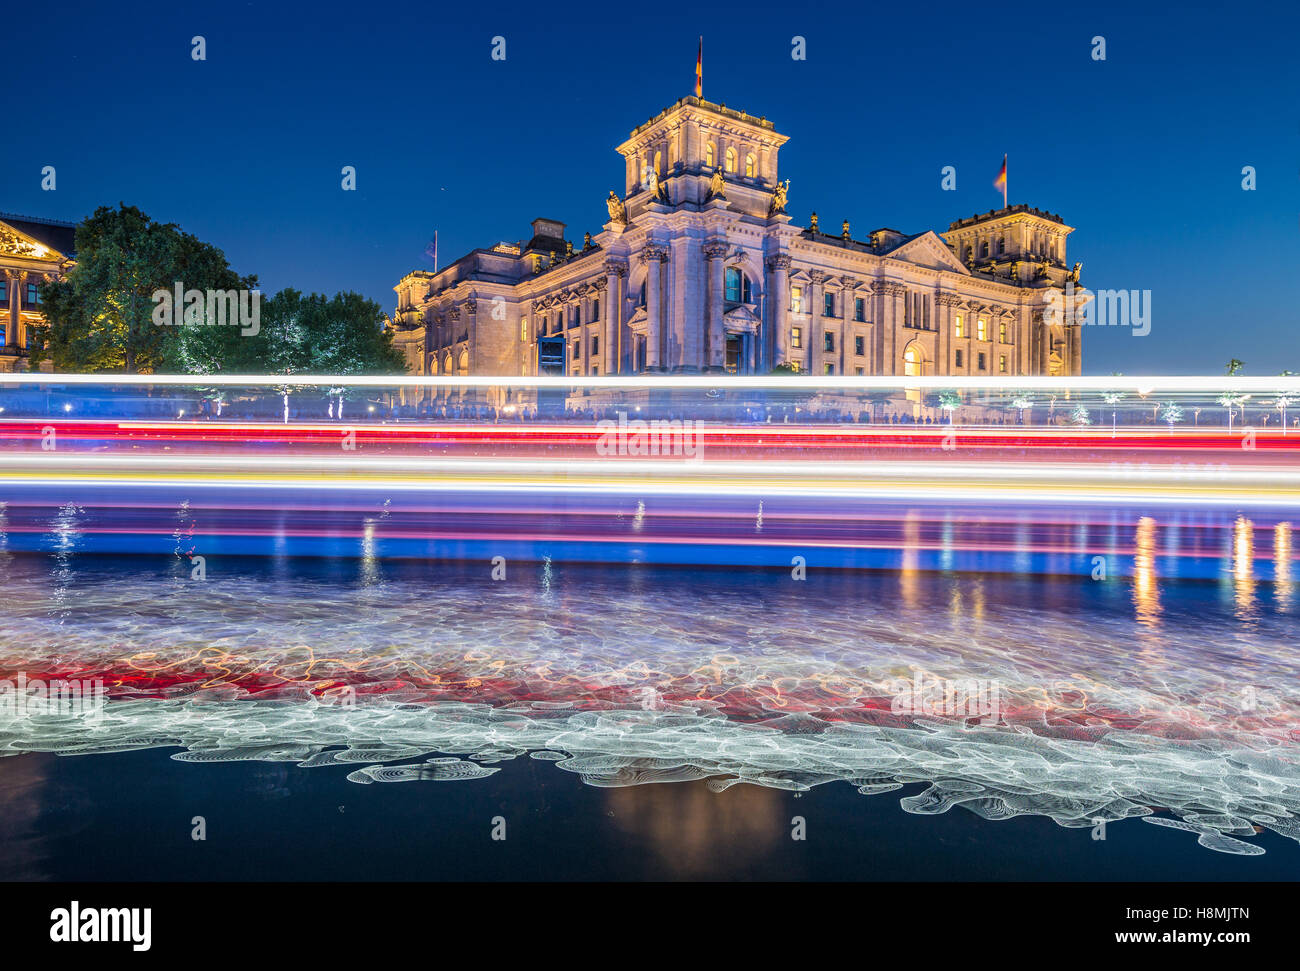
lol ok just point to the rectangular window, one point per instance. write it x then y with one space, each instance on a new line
595 309
981 360
595 344
959 326
796 300
796 337
859 309
981 329
4 289
828 369
577 350
859 346
523 329
1002 363
858 371
828 341
957 359
2 334
828 304
33 295
1002 333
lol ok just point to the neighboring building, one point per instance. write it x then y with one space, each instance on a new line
699 269
31 251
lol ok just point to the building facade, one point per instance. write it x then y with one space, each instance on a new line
700 269
31 252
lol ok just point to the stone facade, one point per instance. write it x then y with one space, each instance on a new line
31 251
700 269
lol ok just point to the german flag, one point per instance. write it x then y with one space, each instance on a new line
699 71
1000 183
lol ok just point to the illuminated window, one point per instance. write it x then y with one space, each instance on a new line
464 363
659 163
1002 363
523 328
959 326
981 329
912 361
731 160
796 300
710 155
751 168
828 369
796 337
1002 333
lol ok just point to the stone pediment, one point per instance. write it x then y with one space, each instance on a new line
930 251
13 242
740 320
639 322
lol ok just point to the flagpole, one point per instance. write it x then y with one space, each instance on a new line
1005 168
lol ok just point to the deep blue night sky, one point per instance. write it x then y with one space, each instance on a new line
1142 153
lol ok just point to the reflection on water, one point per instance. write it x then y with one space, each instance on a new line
1146 592
1243 567
439 673
684 828
1285 587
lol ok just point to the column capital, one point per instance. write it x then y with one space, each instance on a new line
654 253
615 267
781 261
716 249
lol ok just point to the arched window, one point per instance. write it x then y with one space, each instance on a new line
913 360
433 364
659 164
750 166
710 155
463 366
446 364
736 288
731 160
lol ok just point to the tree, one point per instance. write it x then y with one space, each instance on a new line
949 401
1233 367
1079 415
1020 401
100 316
1230 400
1285 399
315 334
1113 398
1171 414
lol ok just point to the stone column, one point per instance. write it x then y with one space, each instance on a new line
715 344
615 272
894 292
1076 349
653 257
778 313
816 340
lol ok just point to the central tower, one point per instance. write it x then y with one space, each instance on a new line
686 143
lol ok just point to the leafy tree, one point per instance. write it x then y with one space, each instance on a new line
1233 367
100 316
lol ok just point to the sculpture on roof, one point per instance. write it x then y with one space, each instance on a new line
617 211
